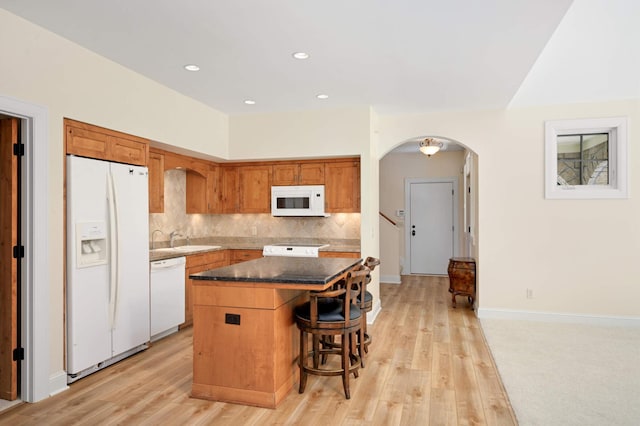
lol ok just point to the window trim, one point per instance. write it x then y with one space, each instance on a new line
616 127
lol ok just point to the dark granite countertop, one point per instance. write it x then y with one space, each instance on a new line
287 270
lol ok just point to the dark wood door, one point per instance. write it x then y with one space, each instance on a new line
8 265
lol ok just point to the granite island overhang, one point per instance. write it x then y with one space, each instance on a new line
245 342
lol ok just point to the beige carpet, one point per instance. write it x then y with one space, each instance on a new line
568 374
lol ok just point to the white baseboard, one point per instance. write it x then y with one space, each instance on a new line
58 382
600 320
390 279
371 316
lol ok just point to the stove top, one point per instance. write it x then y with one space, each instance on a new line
293 250
300 245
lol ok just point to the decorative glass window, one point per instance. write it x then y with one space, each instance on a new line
586 158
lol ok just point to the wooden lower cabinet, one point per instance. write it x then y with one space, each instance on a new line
205 261
199 263
350 254
238 256
245 343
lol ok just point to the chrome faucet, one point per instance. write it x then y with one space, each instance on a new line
153 235
172 237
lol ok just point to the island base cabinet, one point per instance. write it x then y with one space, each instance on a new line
253 362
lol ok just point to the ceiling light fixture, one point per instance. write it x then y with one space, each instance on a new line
322 96
192 67
430 146
250 102
300 55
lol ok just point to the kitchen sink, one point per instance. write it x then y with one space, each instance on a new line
185 249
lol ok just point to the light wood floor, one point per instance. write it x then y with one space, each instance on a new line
428 364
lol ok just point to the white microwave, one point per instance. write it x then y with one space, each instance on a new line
305 200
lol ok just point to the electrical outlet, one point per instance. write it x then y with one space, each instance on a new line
529 293
254 230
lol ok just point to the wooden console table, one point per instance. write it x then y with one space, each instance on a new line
462 278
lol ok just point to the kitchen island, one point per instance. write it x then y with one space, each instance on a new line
245 342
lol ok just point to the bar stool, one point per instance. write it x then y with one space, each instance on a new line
367 305
331 313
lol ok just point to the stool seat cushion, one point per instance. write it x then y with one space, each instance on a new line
368 297
329 310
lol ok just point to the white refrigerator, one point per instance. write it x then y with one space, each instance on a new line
107 310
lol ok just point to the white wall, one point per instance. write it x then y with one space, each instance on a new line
300 134
41 68
578 256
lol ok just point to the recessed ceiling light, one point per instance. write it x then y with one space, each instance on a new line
322 96
301 55
192 67
250 102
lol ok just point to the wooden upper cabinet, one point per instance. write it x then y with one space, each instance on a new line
87 143
342 186
285 174
229 195
196 194
245 189
197 188
87 140
311 174
254 184
298 174
128 151
214 193
156 181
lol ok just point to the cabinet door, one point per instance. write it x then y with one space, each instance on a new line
342 187
229 189
196 191
87 140
199 263
285 174
311 174
349 254
214 204
87 143
255 189
238 256
128 151
156 182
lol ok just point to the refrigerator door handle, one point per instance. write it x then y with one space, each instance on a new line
113 237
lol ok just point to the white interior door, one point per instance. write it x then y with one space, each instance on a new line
431 228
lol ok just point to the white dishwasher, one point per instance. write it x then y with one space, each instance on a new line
166 296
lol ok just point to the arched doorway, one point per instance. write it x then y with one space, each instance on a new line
404 163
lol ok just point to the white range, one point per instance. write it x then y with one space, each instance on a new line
293 250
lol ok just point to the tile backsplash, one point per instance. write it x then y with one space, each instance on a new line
174 218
